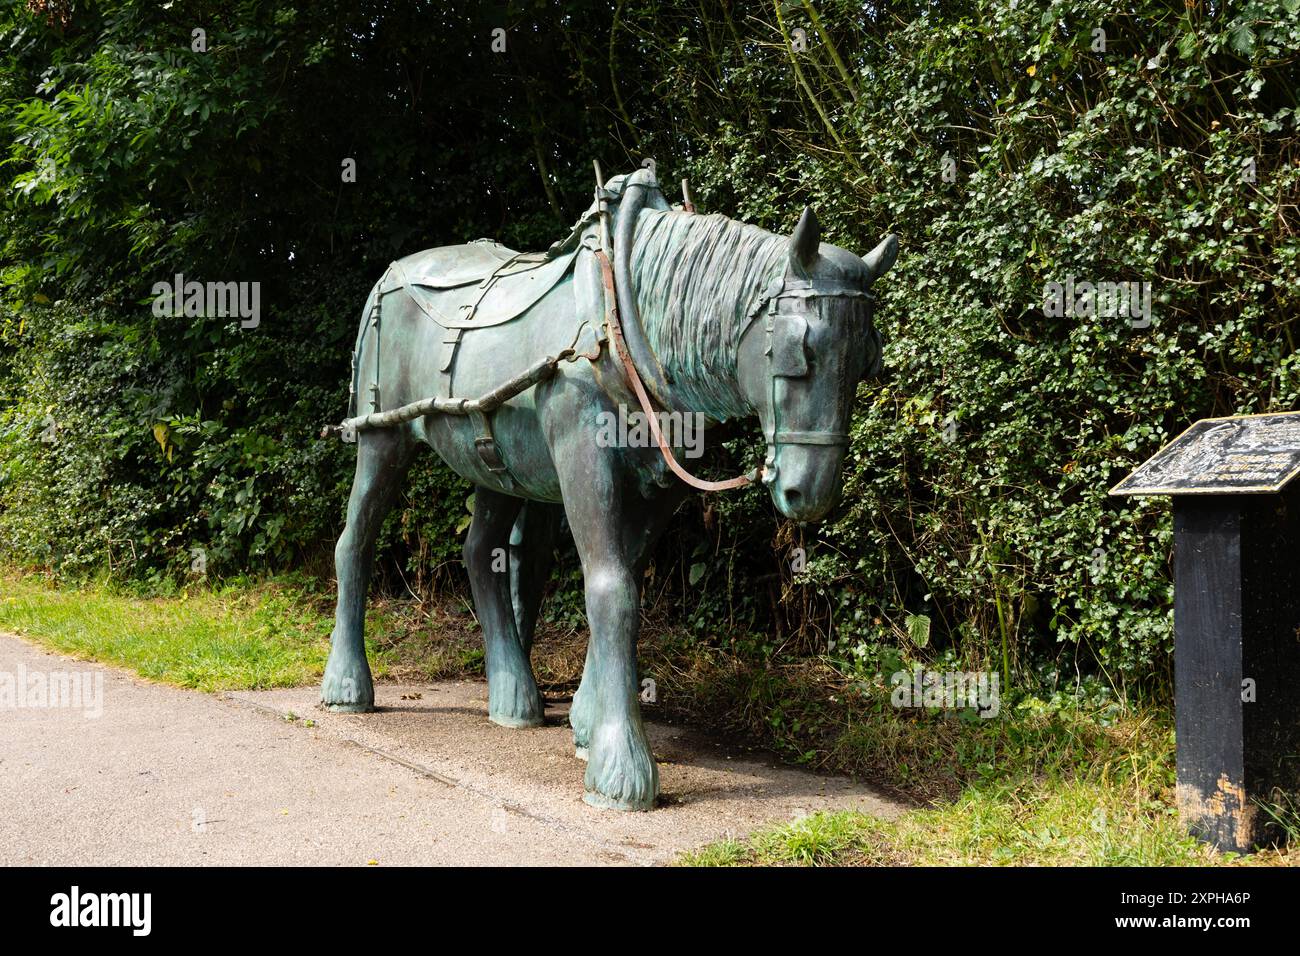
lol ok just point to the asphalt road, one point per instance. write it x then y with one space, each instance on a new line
142 773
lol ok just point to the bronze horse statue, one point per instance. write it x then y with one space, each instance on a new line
696 314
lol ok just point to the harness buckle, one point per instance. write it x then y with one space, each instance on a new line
486 447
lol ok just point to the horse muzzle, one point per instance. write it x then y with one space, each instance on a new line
804 479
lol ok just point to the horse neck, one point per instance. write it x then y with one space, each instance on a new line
692 321
709 385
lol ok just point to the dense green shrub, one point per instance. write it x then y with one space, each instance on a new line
976 500
134 156
975 517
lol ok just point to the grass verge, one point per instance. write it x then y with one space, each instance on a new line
248 635
1056 779
226 638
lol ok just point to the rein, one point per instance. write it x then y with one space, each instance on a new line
778 290
634 379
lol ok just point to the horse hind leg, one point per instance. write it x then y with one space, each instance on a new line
382 460
513 698
582 712
532 557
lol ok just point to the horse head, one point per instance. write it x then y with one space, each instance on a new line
809 343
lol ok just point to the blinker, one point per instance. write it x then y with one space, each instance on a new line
788 358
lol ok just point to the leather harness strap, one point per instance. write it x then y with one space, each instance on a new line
634 379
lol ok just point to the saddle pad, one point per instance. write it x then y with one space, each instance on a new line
449 266
454 285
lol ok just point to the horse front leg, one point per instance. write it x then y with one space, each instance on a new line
644 529
610 524
382 460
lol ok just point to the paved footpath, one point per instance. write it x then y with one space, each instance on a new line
168 776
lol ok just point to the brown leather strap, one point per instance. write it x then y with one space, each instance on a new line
629 367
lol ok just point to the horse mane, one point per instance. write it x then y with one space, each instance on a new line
696 279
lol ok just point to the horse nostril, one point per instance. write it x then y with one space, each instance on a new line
793 496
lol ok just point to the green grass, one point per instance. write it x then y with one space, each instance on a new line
1061 777
1060 824
237 635
1036 788
220 639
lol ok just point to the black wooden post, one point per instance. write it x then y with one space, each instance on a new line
1236 621
1236 662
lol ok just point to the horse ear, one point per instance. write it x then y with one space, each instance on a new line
879 259
804 242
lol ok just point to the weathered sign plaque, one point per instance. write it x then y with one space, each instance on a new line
1249 453
1236 619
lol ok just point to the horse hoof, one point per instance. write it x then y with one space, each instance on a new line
347 708
581 718
621 771
514 701
515 723
346 687
599 800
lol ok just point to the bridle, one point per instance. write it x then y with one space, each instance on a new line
786 330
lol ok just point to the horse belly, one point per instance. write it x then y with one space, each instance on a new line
485 359
519 442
